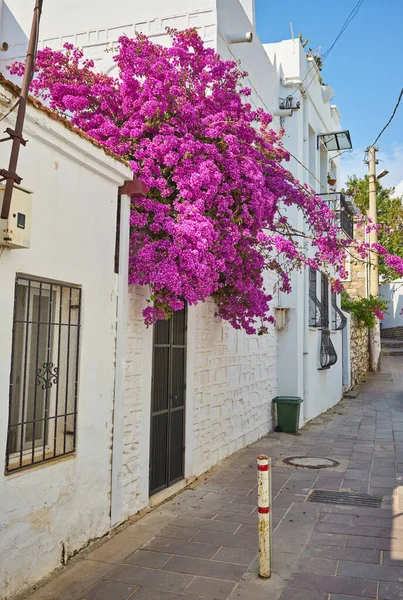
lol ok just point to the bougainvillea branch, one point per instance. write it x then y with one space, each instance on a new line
215 218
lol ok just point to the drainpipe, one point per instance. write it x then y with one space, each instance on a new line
305 312
282 112
127 192
295 83
240 38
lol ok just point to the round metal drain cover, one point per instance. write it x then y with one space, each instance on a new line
311 462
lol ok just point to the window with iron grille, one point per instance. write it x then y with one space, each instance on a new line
44 372
325 301
314 313
339 320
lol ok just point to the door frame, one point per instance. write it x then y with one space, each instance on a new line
169 484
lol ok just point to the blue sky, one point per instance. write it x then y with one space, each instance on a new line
365 68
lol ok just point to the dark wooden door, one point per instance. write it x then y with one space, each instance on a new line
167 444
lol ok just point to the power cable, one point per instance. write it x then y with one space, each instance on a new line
391 118
344 26
346 23
10 110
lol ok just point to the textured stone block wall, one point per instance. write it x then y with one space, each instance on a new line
359 350
394 333
235 379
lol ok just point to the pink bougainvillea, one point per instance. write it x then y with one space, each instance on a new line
214 219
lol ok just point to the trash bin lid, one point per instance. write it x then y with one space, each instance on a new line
287 400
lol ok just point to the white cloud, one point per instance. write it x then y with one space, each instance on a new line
392 160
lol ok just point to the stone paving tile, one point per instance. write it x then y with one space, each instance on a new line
146 593
393 558
294 594
342 519
173 546
342 553
334 585
328 483
328 539
195 523
217 538
211 588
235 556
318 566
144 558
364 521
204 568
239 518
377 491
163 580
260 590
119 546
365 570
109 590
338 597
202 513
71 583
340 528
250 530
360 487
390 591
355 541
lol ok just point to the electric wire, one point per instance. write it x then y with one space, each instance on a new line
391 117
10 110
346 23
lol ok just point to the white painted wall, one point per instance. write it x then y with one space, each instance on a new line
231 377
299 345
73 240
393 293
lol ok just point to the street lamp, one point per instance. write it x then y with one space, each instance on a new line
382 174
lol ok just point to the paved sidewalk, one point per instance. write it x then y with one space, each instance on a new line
202 544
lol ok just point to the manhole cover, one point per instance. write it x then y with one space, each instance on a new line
311 462
346 498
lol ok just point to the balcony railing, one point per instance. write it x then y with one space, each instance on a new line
343 209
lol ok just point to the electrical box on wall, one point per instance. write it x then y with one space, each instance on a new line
15 232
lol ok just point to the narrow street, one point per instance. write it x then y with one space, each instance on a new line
202 543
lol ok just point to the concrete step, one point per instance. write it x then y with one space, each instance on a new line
391 344
391 352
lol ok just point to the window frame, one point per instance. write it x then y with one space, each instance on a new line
35 385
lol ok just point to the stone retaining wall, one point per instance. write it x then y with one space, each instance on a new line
359 350
394 333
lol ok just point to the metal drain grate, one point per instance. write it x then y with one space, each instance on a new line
346 498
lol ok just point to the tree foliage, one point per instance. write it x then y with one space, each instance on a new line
389 216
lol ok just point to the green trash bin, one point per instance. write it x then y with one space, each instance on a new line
288 408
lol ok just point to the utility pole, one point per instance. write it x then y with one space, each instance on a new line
375 332
10 175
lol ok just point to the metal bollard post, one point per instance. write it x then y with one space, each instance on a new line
264 517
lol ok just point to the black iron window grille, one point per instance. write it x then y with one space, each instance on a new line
328 355
343 209
324 286
44 372
339 320
315 307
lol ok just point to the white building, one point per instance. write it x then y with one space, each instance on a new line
392 324
219 397
57 338
306 357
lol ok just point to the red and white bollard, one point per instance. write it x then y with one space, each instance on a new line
264 516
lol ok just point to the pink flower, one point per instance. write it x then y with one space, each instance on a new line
215 218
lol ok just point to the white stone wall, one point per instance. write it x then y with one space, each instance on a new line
96 28
235 380
137 405
75 188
